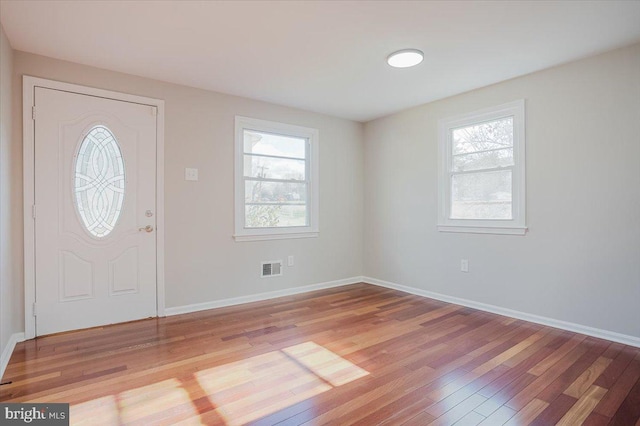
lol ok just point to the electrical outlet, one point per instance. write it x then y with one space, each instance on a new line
464 265
290 261
191 174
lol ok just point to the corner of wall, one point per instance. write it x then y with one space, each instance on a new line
8 288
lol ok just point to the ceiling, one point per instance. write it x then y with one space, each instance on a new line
322 56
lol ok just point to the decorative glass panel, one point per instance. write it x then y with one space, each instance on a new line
99 181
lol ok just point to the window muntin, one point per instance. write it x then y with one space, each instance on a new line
481 181
276 180
99 181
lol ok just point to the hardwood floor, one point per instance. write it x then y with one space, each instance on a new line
357 354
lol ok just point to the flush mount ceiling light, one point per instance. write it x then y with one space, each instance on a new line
405 58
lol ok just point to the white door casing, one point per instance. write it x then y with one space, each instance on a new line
80 279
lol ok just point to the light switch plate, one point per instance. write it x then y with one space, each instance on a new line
190 174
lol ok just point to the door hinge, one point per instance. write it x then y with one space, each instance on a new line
35 312
33 211
33 112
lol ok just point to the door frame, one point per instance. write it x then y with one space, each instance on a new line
29 84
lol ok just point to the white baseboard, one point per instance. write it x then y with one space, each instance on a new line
563 325
177 310
8 351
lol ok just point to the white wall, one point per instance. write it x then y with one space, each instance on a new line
203 262
10 232
580 261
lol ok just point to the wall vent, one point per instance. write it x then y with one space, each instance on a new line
272 268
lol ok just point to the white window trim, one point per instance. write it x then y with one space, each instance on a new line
515 226
313 196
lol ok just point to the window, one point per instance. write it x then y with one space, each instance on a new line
276 180
482 171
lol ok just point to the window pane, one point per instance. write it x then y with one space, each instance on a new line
481 137
481 195
483 160
269 144
274 168
275 192
273 216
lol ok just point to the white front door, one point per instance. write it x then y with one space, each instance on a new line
95 205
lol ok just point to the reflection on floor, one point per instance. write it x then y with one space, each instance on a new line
357 354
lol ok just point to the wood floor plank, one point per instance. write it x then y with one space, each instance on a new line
595 419
556 356
459 411
614 350
611 402
515 386
421 418
391 411
510 353
406 414
629 411
572 373
352 355
613 372
528 413
586 379
512 374
583 407
462 392
488 407
550 342
471 419
554 411
500 416
526 395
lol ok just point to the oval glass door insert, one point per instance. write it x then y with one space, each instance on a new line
99 182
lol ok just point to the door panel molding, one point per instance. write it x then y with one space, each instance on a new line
29 84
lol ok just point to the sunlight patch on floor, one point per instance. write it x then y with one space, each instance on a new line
97 411
252 388
325 364
240 391
143 405
145 401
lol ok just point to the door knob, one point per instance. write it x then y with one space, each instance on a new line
147 228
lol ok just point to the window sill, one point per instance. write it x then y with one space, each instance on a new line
265 237
483 230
